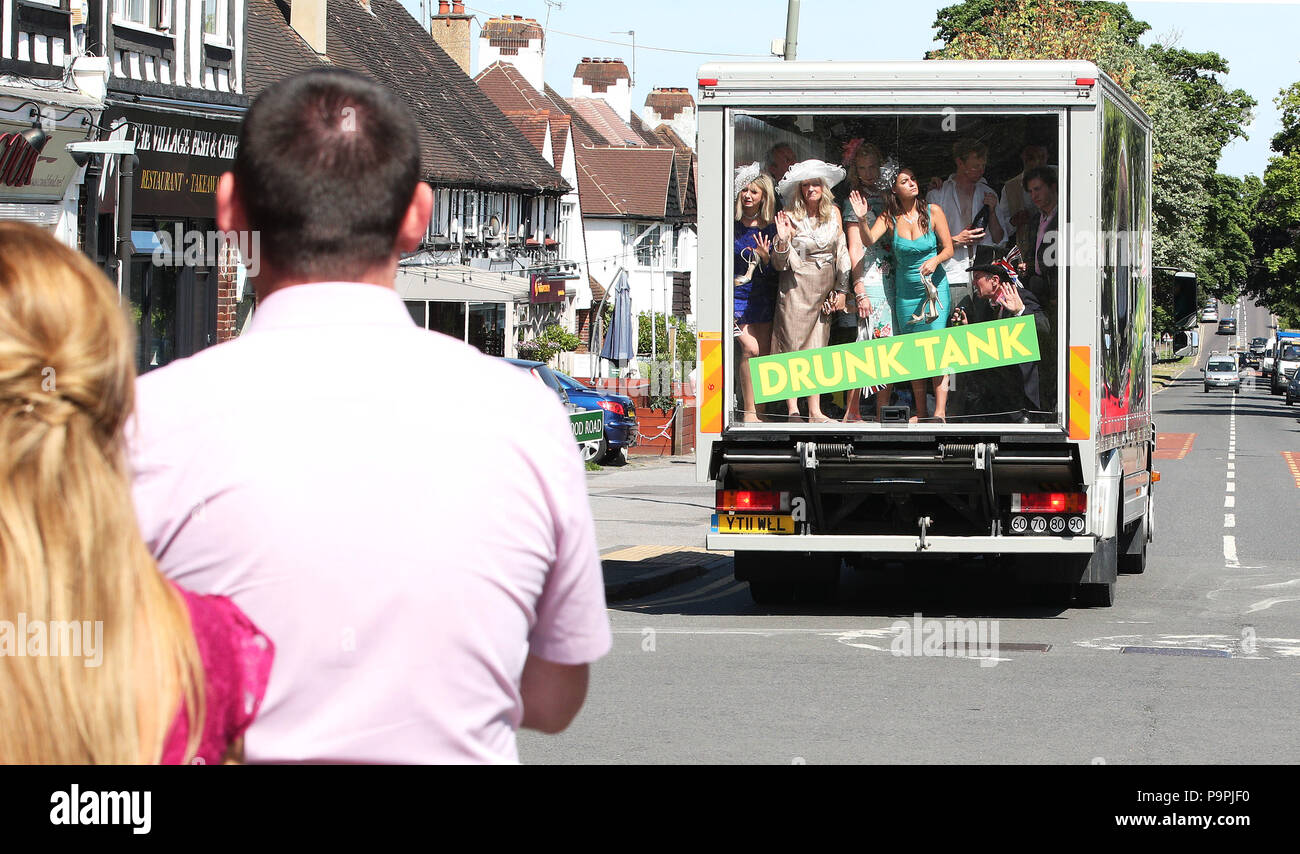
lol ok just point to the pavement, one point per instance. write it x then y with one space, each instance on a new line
620 497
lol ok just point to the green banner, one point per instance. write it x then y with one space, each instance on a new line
588 426
973 347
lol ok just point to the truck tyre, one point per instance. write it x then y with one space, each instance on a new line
821 583
1052 595
1097 595
769 592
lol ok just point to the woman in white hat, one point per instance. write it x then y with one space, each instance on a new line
812 255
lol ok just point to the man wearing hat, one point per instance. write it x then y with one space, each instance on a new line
1010 390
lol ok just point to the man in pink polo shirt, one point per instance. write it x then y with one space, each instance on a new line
423 559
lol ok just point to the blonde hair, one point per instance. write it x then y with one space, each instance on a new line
767 207
70 547
825 209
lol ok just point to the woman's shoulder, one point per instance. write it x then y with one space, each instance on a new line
236 657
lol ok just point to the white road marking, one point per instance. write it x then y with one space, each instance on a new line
1229 501
1229 520
1230 550
1231 486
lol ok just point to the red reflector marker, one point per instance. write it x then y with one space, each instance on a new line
708 81
1085 81
749 501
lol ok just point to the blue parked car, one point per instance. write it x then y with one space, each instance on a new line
543 372
620 416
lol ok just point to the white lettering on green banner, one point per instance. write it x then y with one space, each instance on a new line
916 356
588 426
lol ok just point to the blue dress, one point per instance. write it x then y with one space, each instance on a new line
755 300
909 292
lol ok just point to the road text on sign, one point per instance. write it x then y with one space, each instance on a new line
588 426
974 347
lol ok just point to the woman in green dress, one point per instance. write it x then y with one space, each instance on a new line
920 244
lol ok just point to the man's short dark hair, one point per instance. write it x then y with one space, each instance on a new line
966 146
1046 174
328 163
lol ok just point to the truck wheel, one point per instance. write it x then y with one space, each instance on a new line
1052 595
1097 595
821 584
770 592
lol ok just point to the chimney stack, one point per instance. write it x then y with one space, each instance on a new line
307 17
450 30
606 80
514 40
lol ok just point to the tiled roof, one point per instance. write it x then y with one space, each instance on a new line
669 102
583 133
624 181
600 116
465 140
275 49
597 290
507 87
643 130
600 74
683 165
512 93
532 125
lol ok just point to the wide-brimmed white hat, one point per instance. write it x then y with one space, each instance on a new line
745 175
809 170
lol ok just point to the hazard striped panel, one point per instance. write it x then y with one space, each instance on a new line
1080 411
711 382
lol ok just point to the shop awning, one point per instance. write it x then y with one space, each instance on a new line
455 282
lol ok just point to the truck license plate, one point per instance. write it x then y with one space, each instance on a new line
752 524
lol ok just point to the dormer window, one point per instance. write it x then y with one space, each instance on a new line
152 14
216 21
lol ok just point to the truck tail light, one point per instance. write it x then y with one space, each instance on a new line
1049 502
708 81
612 406
750 501
1085 81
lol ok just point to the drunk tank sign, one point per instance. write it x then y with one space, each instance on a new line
974 347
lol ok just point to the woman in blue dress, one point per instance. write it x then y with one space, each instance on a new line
755 277
921 243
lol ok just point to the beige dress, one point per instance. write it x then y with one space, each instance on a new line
815 264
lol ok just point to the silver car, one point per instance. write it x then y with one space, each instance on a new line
1222 372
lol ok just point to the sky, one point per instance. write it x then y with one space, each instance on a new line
675 37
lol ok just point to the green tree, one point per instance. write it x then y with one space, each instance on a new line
974 16
1277 216
1198 222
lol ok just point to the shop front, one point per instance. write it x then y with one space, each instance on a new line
182 283
39 180
476 306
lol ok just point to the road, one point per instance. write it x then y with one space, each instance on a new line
1197 662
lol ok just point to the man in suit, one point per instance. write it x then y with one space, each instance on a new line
1009 391
1041 183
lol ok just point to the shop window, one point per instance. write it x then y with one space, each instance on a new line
487 327
448 318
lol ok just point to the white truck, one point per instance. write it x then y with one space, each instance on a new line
1058 495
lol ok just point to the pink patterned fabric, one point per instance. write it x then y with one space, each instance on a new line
236 660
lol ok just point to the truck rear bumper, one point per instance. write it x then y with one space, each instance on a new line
892 544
